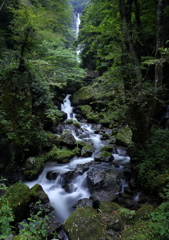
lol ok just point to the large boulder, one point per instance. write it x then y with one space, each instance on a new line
104 196
19 197
107 180
66 138
87 151
84 224
103 156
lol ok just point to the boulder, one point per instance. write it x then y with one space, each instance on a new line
87 151
143 212
103 156
39 194
116 223
19 197
66 138
104 196
107 180
84 224
109 207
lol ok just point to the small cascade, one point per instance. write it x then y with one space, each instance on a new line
63 185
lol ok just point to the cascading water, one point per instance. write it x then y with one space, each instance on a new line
62 195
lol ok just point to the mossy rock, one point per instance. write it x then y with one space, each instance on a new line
38 193
69 121
124 137
61 155
139 231
84 224
33 166
19 197
127 214
80 144
67 139
142 213
77 124
22 237
87 150
52 138
107 148
109 207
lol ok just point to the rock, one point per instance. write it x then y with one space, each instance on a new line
87 151
52 224
104 196
19 197
33 168
96 128
61 155
53 138
107 180
124 137
52 175
66 138
84 224
116 223
109 207
39 194
103 156
143 212
83 202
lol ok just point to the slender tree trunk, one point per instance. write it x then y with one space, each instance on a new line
2 5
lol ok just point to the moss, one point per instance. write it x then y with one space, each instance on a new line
38 193
19 197
80 144
83 95
69 121
77 124
109 207
61 155
33 167
107 148
143 212
139 231
105 154
84 223
85 109
53 138
124 137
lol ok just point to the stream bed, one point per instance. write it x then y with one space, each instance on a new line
64 195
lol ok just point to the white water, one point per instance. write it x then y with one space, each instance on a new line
61 199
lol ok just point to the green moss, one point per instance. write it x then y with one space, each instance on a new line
139 231
109 207
69 121
19 197
84 223
61 155
33 167
86 110
105 154
53 138
143 212
77 124
80 144
83 95
124 137
106 148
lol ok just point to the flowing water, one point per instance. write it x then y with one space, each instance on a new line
60 198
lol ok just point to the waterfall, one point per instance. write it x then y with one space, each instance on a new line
63 195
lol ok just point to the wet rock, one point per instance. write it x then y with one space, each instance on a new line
69 176
143 212
66 138
124 137
83 202
52 175
87 151
104 196
116 223
103 156
52 225
107 180
39 194
96 128
69 188
84 223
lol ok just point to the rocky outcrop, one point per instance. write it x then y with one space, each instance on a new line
38 193
107 180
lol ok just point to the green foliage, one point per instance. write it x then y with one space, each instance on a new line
6 215
154 159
